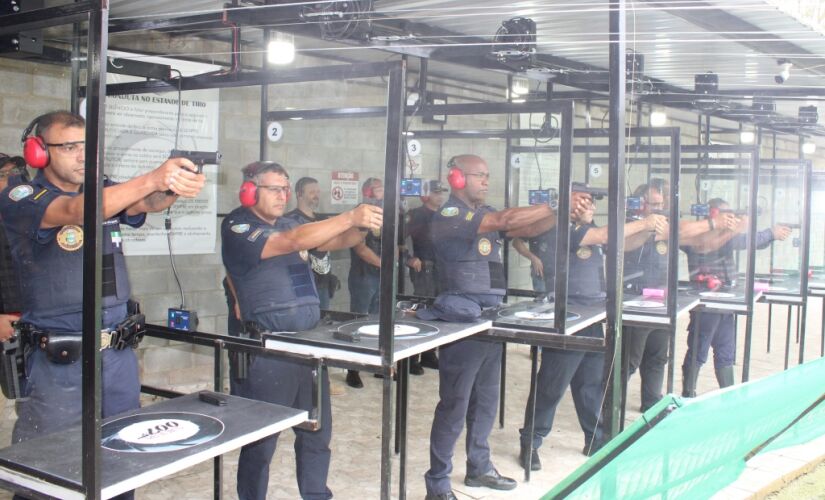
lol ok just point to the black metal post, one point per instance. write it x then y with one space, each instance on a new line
91 394
389 271
753 193
616 210
508 194
217 384
530 424
263 152
804 245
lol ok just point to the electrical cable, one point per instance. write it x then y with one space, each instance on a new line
167 221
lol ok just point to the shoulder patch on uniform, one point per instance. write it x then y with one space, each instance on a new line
19 192
255 234
449 211
240 228
469 216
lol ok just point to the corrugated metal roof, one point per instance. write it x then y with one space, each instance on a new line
674 49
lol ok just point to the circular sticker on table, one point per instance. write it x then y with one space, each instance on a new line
717 295
160 432
643 304
536 316
399 330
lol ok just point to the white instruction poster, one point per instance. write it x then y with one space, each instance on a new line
140 133
344 188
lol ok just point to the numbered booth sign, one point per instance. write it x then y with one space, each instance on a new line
274 131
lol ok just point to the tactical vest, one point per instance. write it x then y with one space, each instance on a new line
651 260
277 283
478 269
51 268
586 273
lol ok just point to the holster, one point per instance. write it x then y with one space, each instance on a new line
239 360
14 355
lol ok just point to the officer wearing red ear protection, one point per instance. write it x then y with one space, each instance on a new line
266 255
43 219
467 235
711 262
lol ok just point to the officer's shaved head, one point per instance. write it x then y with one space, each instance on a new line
462 162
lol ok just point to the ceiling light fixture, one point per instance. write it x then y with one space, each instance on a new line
658 118
746 137
281 48
808 147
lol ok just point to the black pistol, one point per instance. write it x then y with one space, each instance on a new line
594 192
199 158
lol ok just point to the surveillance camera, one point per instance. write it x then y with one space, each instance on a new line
784 71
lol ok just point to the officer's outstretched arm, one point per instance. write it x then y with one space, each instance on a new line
711 241
599 235
520 218
315 234
175 174
348 239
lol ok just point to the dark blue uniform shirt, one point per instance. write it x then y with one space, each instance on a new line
651 261
419 222
50 261
281 283
586 269
469 262
721 263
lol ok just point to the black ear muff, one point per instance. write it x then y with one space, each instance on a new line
35 151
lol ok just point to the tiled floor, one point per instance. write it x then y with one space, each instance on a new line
357 433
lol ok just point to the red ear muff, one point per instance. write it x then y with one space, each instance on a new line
35 151
456 178
713 212
366 189
249 194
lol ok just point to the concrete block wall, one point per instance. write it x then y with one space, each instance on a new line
309 147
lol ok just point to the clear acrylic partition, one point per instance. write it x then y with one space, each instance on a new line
782 209
718 183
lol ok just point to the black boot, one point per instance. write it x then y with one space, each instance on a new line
535 461
354 379
724 376
689 376
429 359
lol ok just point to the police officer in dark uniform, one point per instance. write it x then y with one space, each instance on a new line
712 254
581 371
541 252
267 261
308 199
645 261
43 221
468 235
646 257
12 172
422 262
365 268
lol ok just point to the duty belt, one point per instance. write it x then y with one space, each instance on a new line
65 347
